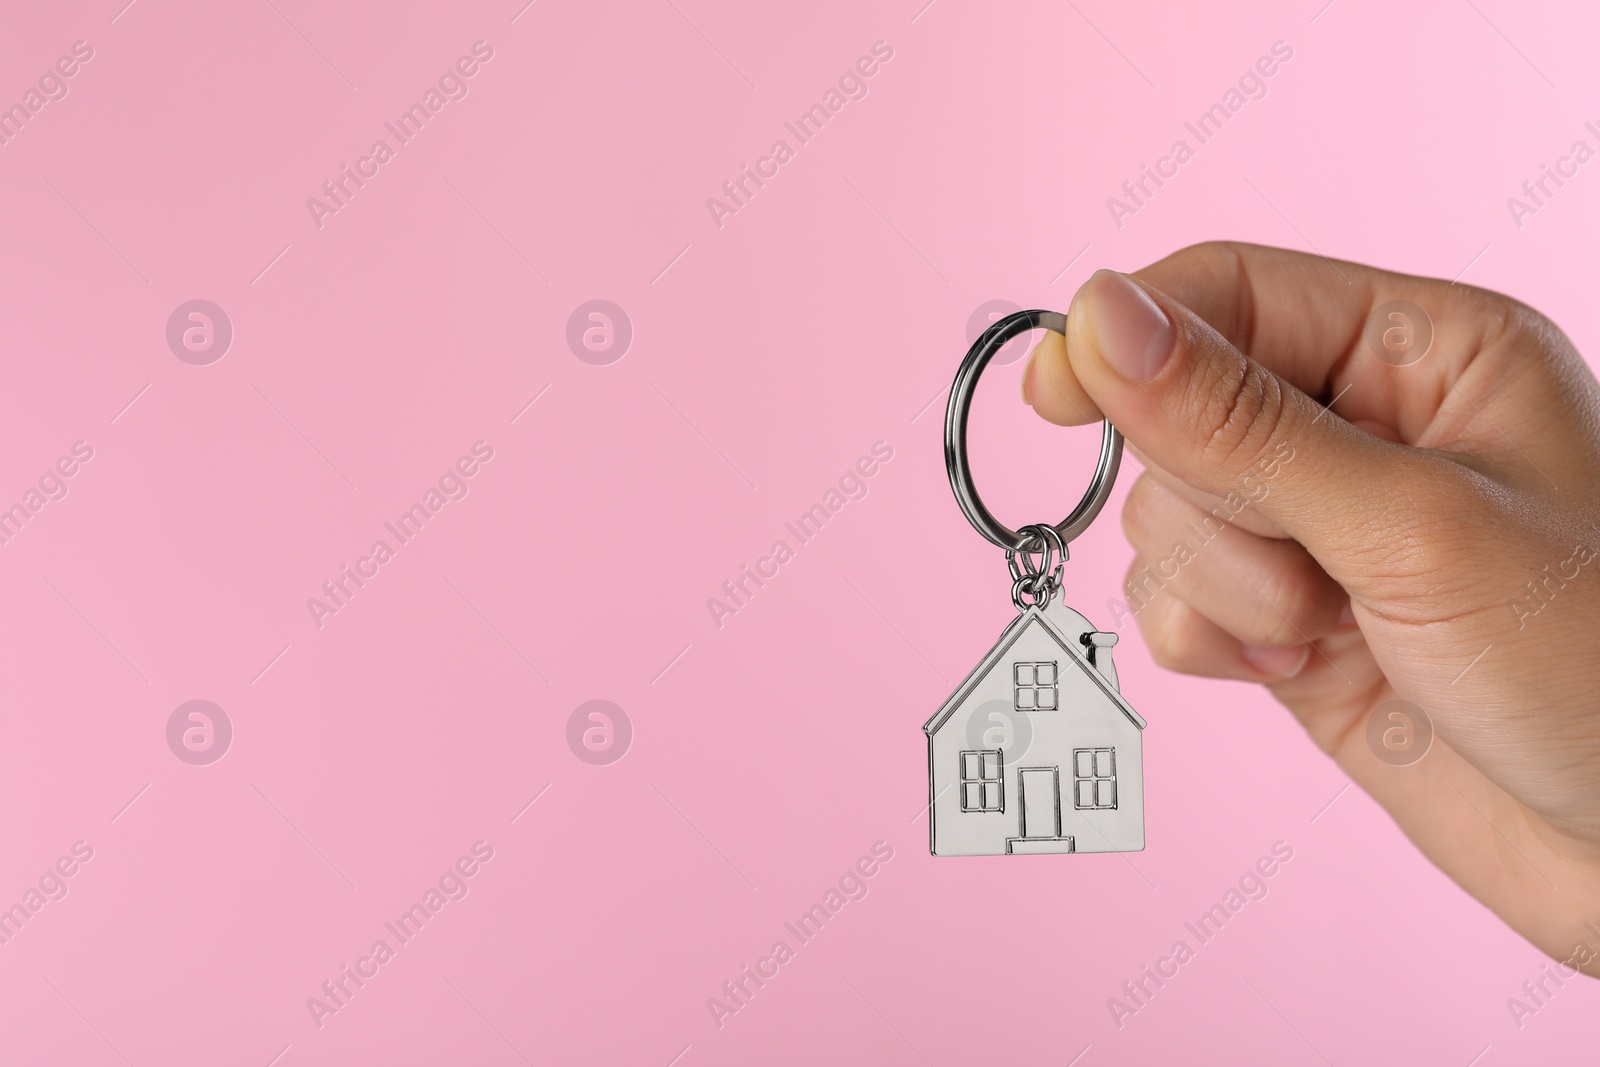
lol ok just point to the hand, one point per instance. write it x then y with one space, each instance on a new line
1432 537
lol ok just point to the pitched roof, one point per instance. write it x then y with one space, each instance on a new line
1012 634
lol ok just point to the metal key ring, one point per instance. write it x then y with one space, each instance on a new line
955 438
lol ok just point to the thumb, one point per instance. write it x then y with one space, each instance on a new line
1227 425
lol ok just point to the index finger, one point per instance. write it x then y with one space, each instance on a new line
1305 318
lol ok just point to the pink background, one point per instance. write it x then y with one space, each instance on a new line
768 354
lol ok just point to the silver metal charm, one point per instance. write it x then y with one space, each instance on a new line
1036 752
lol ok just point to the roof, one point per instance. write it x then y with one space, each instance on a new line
1019 626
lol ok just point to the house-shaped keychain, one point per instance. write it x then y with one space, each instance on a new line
1036 752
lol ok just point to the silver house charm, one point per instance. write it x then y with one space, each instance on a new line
1036 752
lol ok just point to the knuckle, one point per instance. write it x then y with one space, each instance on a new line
1169 631
1292 608
1172 647
1141 586
1502 319
1216 258
1239 415
1223 266
1216 255
1138 518
1498 318
1508 327
1534 335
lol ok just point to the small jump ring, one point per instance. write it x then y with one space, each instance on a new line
1051 546
955 438
1026 593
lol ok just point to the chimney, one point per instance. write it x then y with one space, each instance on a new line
1098 644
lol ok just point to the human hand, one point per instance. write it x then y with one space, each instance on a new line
1431 537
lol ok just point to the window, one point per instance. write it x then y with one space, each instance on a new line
1094 779
1034 685
981 785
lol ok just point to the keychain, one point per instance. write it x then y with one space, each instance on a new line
1036 751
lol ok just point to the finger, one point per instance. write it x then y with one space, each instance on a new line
1481 360
1181 639
1063 402
1224 423
1050 387
1306 318
1234 508
1266 593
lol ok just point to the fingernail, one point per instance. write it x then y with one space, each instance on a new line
1347 617
1133 334
1027 376
1277 662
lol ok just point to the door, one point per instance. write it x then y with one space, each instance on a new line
1040 789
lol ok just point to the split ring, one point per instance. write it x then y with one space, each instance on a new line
955 438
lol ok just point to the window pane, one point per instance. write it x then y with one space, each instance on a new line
1085 794
1083 760
1105 794
1047 674
991 766
1023 674
1047 698
972 796
969 766
1103 767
